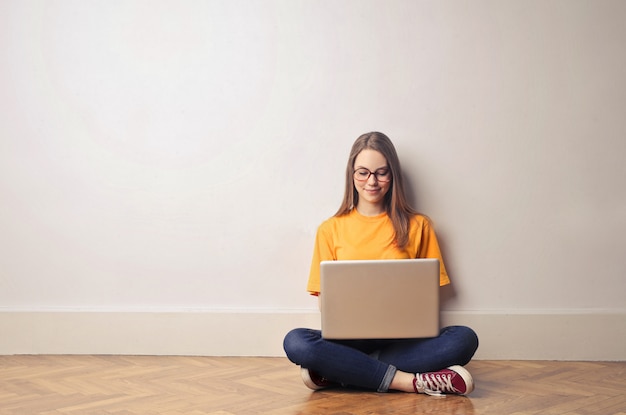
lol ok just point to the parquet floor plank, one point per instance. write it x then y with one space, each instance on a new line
174 385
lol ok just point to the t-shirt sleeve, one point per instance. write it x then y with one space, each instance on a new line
429 248
322 251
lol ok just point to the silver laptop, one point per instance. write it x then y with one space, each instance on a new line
380 299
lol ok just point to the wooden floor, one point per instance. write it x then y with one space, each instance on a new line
131 385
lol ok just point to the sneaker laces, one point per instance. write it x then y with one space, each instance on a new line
433 384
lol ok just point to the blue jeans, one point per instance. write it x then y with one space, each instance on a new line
372 364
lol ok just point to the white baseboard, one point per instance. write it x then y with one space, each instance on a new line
569 335
553 335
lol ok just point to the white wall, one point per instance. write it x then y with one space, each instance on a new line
178 156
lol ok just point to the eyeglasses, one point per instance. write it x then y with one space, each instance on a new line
363 175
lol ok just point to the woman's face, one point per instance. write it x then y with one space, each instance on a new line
372 189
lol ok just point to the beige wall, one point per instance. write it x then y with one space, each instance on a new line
178 156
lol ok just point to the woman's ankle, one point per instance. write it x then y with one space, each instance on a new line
403 382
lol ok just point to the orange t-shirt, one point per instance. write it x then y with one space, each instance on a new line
354 236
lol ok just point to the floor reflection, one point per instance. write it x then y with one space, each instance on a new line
347 402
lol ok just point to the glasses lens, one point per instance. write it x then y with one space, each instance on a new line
383 175
361 174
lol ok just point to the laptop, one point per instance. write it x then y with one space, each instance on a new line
380 299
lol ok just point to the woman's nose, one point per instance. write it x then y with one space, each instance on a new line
372 179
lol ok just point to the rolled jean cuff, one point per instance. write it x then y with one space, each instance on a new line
386 382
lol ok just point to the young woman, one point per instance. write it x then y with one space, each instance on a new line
375 221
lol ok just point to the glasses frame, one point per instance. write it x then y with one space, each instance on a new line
370 173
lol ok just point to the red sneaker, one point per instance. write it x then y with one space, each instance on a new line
314 381
453 380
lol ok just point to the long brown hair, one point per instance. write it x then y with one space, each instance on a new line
395 202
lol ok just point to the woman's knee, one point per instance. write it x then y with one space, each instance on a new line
471 339
297 344
467 341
